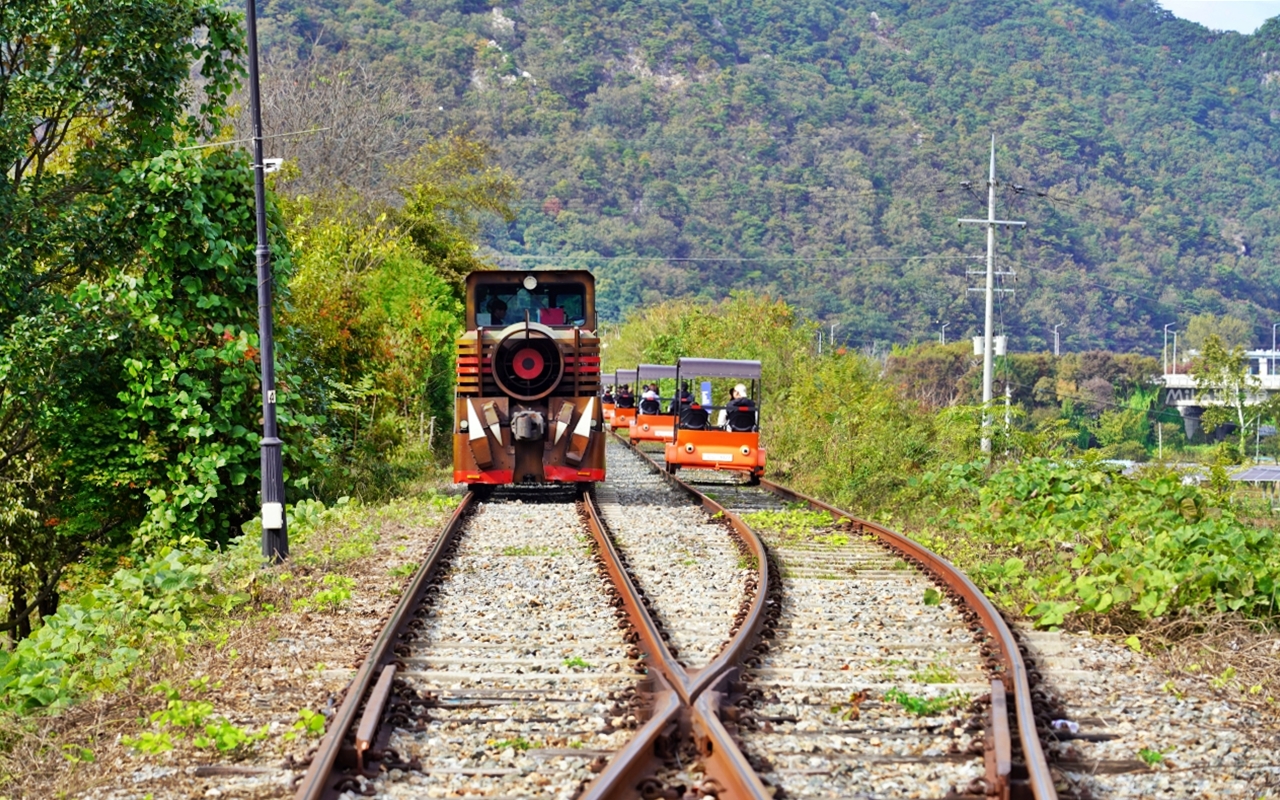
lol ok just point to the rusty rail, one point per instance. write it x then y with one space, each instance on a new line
316 781
678 708
1014 676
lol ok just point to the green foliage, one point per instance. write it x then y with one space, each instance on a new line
377 308
1062 538
334 595
94 642
795 524
519 743
576 663
792 141
403 570
180 717
932 597
122 289
925 707
310 724
935 672
1150 757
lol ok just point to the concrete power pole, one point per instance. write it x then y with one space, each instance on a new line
987 360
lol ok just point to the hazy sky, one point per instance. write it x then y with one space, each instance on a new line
1225 15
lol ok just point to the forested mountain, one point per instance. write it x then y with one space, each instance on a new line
823 149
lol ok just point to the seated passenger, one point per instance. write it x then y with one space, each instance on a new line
694 417
649 402
607 397
741 416
682 399
625 399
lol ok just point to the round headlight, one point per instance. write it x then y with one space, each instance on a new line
645 426
746 451
688 448
530 282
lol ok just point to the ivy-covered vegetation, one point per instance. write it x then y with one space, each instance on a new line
820 150
130 399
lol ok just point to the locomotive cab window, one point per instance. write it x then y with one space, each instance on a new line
548 303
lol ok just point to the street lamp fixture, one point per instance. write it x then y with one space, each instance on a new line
1164 354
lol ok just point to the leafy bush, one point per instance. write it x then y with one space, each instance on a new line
1077 537
94 642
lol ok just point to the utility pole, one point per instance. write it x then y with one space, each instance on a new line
275 536
1164 354
987 357
1056 351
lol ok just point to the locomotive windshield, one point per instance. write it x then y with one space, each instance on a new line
548 303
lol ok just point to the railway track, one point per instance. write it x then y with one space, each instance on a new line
702 665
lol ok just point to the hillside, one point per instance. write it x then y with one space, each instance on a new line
822 150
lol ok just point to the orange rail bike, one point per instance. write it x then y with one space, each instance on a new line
653 427
735 445
623 417
527 407
608 384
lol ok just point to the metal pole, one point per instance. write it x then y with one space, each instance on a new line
1164 354
987 359
1174 363
987 340
275 536
1056 351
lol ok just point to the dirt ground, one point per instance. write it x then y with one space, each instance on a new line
270 667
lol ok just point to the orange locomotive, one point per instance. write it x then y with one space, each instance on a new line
527 407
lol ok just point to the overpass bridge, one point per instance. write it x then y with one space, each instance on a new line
1181 392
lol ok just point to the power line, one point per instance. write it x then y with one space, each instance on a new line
730 259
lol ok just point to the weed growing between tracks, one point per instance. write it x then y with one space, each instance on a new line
200 656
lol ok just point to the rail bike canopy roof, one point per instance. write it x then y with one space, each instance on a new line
608 379
656 371
720 368
625 376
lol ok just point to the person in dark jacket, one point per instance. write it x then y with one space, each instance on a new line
682 399
625 399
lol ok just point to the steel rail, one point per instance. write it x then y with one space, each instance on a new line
723 761
641 755
1014 677
1015 674
315 782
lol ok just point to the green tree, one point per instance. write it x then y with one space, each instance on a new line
1224 384
90 95
1231 331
